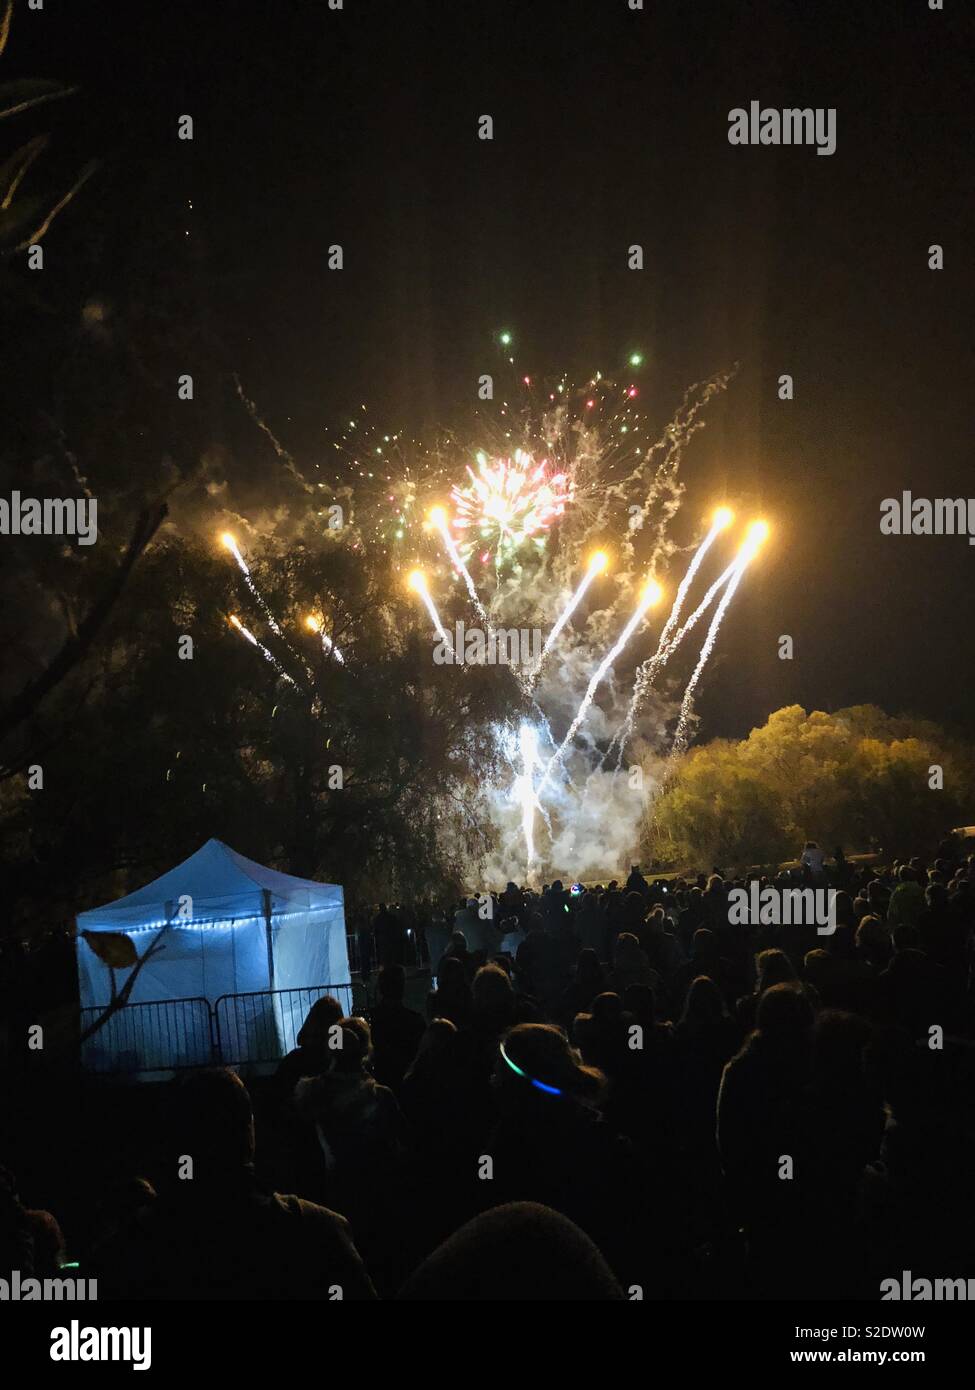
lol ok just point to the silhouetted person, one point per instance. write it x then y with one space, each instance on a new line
551 1144
452 996
520 1253
216 1234
759 1107
396 1030
588 982
312 1054
389 936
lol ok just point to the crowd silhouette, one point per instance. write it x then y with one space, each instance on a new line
611 1091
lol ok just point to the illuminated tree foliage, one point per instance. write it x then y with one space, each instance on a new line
858 778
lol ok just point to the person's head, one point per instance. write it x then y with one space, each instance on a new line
810 844
536 1066
704 943
391 984
607 1009
450 975
436 1045
784 1013
49 1248
816 968
457 945
657 920
905 937
843 909
355 1052
491 989
320 1017
704 1003
641 1002
773 967
635 907
588 969
936 896
212 1122
531 1252
872 935
628 951
906 874
121 1205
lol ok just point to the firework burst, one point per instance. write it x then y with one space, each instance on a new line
507 502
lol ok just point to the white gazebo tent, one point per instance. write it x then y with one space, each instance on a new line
225 926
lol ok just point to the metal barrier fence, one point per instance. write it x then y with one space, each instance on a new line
168 1034
263 1026
159 1035
364 956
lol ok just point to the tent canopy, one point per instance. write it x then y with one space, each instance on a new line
231 926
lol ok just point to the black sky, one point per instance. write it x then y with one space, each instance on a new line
358 127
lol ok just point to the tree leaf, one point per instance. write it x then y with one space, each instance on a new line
112 948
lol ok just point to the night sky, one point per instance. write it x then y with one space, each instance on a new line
359 127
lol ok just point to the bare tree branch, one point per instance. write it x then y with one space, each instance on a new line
77 646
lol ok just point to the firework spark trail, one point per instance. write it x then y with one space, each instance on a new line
418 584
664 480
268 656
680 734
650 596
315 625
279 448
542 718
524 788
756 535
231 544
439 519
722 519
647 673
596 566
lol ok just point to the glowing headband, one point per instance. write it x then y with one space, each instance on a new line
540 1085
